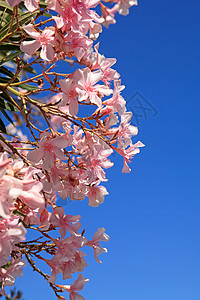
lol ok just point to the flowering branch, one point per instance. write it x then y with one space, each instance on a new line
64 150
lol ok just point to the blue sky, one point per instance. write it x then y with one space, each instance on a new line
152 214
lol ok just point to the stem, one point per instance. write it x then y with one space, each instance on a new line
13 149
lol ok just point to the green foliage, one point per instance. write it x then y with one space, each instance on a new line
11 35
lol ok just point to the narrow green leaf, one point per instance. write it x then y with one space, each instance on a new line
2 126
22 85
5 5
7 105
9 47
30 69
6 72
6 115
23 19
27 87
10 57
17 212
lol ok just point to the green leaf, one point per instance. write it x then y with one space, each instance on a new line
6 72
5 96
10 57
43 4
9 47
2 126
17 212
5 5
7 265
30 69
27 87
22 85
6 115
7 105
23 19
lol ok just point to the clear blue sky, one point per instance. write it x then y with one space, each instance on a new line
152 214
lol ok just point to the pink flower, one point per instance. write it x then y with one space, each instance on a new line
87 87
43 40
8 274
78 285
99 235
126 131
117 101
10 189
59 219
49 150
70 95
128 154
124 5
31 193
108 15
78 44
31 5
96 195
5 244
95 160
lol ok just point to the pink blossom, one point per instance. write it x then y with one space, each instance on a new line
96 195
108 15
8 274
95 29
43 40
31 193
99 235
31 5
64 222
96 160
10 189
78 44
128 154
124 5
49 150
5 244
87 87
126 131
78 285
70 95
117 101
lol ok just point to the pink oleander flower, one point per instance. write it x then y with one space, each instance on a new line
117 101
95 29
96 160
30 194
108 15
96 195
126 131
10 189
68 86
8 274
99 235
49 150
78 285
78 44
5 244
128 154
44 40
64 222
87 87
31 5
124 5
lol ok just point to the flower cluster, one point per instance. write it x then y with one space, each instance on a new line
76 123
